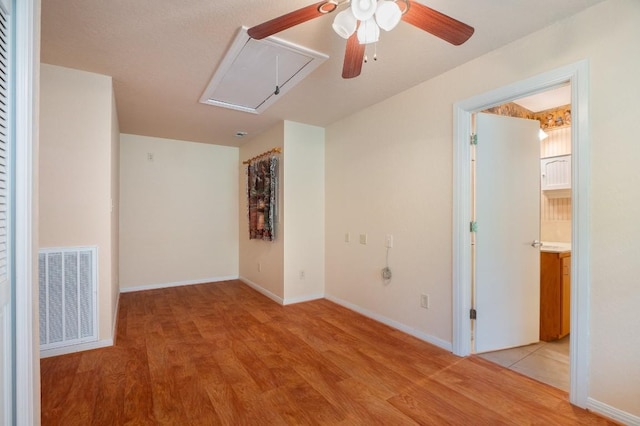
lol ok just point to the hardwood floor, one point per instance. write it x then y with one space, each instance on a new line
222 353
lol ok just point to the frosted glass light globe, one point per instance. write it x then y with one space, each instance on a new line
345 23
368 32
363 9
388 15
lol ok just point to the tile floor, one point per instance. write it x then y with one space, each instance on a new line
547 362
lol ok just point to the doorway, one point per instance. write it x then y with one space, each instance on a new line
540 348
577 75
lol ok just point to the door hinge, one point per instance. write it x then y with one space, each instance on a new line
473 314
473 227
473 139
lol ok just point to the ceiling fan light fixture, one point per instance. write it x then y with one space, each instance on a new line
363 9
370 16
388 15
368 31
345 23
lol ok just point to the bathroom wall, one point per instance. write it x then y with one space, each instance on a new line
555 213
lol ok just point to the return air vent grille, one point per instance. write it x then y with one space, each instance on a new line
67 284
247 77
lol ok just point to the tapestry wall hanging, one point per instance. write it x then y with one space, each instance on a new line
262 198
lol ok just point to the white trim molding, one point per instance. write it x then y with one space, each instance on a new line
578 75
302 299
392 323
176 284
281 301
114 326
26 19
64 350
612 413
257 287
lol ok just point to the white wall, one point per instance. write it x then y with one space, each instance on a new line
304 210
393 179
397 178
115 209
77 122
178 212
262 262
274 267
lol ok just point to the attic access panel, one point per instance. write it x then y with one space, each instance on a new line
247 77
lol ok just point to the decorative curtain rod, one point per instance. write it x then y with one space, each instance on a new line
276 150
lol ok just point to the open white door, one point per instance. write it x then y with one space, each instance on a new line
508 221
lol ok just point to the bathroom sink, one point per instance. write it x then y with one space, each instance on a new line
555 247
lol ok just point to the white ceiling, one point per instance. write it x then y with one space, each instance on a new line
162 54
553 98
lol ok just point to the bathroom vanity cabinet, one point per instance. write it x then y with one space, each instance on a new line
555 295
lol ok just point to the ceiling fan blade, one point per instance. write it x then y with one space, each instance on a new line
436 23
288 20
353 58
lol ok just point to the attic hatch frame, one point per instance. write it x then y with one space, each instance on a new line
312 60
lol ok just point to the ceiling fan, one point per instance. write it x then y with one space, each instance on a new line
360 24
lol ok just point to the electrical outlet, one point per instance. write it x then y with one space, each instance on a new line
302 274
388 242
424 301
347 237
259 267
363 239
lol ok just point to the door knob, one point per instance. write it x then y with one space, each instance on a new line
536 243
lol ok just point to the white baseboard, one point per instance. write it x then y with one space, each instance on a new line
301 299
374 316
278 299
392 323
612 413
262 290
114 329
176 284
64 350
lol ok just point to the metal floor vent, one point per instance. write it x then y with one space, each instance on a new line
247 77
68 310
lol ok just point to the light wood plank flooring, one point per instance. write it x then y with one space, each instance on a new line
223 354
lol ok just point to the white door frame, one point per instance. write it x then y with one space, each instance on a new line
578 75
27 357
